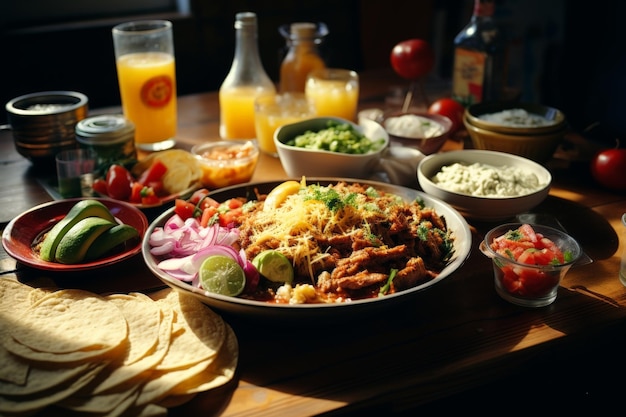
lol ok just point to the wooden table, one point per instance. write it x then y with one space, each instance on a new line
432 350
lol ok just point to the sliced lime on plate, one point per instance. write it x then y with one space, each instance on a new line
274 266
223 275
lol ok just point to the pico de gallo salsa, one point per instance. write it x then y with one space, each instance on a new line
526 246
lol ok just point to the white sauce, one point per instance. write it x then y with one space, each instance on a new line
516 118
483 180
413 126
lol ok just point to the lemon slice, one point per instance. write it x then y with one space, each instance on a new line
274 266
221 274
279 194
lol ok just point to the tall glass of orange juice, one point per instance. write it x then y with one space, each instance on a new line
334 92
274 111
144 54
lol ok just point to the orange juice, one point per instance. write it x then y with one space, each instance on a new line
273 111
147 83
334 95
237 111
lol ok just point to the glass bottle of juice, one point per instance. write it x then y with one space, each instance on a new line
245 81
302 55
479 57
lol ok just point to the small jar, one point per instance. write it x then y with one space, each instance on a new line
111 136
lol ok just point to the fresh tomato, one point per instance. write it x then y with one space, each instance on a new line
608 168
230 217
184 209
135 193
154 173
412 59
450 108
119 182
209 216
100 186
198 195
148 197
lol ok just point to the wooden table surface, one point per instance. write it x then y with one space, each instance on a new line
454 337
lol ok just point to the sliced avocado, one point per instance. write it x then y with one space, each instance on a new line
80 210
108 240
74 244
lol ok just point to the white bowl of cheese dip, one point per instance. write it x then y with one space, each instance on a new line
485 185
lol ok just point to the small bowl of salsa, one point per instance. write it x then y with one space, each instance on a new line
226 163
529 261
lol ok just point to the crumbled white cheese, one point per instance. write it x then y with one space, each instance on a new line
516 118
413 126
487 181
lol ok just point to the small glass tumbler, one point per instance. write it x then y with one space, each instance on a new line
274 111
75 171
334 92
530 285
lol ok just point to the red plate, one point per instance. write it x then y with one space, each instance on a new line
20 234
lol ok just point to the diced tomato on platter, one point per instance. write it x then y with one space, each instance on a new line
209 211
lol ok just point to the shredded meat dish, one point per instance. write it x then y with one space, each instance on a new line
345 240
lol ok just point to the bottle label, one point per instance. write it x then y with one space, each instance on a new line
469 75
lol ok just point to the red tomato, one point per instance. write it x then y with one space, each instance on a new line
450 108
608 167
184 209
135 193
230 217
157 187
412 59
207 216
198 195
100 186
148 197
154 173
119 182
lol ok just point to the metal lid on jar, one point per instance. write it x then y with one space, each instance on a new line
106 129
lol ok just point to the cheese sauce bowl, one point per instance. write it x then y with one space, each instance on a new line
488 198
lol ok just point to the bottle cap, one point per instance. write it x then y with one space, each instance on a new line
244 19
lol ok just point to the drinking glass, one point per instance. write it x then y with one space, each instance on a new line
273 111
334 92
144 54
75 170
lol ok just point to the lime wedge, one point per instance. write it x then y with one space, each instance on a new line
274 266
221 274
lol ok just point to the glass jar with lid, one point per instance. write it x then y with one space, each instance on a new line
112 138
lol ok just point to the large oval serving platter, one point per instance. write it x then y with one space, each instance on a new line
238 306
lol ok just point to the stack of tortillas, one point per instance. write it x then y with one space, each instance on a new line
114 355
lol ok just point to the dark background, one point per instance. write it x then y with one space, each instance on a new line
567 54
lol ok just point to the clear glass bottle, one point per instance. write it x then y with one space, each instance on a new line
302 56
245 81
479 57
